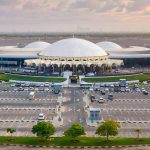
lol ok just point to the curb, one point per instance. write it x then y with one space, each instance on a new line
74 147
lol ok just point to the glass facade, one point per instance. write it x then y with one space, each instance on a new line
128 62
136 62
12 62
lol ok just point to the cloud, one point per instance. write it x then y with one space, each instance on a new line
67 15
7 2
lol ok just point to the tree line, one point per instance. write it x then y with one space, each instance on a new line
45 130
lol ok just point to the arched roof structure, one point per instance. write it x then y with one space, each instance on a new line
106 45
38 44
73 47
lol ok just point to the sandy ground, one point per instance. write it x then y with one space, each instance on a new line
28 148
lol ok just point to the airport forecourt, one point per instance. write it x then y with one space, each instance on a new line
74 80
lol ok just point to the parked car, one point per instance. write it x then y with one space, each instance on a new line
26 89
41 89
102 85
103 92
127 89
46 89
143 89
46 84
20 89
92 98
106 89
91 89
145 92
123 89
41 116
110 97
31 89
137 90
101 100
96 89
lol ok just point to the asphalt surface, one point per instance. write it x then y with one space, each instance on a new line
131 109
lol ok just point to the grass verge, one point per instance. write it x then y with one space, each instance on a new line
83 141
144 76
30 78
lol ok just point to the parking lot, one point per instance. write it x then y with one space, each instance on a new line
131 109
17 110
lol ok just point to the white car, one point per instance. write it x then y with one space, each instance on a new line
111 85
36 89
31 89
137 90
128 90
22 84
46 89
101 100
42 85
46 84
26 89
106 89
15 89
123 89
90 74
41 117
91 89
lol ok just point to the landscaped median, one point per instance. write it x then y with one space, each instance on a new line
141 76
66 141
8 77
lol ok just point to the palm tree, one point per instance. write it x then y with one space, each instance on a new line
138 131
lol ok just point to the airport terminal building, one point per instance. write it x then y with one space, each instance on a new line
77 55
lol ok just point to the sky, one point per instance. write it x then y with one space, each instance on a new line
74 15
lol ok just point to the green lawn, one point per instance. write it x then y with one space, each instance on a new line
30 78
84 141
145 76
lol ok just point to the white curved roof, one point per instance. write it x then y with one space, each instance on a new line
136 49
106 45
131 52
73 47
37 44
